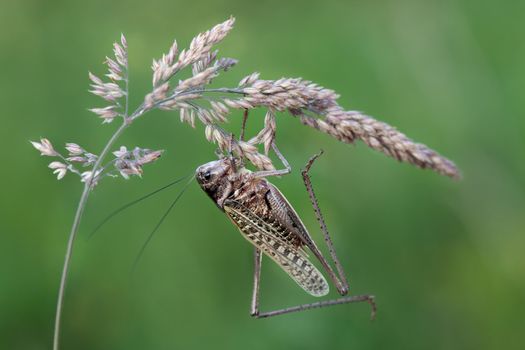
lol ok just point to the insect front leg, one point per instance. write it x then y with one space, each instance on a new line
243 128
225 194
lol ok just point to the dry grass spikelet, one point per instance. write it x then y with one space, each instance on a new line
317 107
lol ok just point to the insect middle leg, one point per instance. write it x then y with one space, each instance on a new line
254 309
260 174
265 173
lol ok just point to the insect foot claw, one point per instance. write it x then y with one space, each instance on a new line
311 162
371 299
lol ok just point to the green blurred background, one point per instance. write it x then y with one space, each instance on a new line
445 259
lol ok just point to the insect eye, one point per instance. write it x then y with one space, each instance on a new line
207 175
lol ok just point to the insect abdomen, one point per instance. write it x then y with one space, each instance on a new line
287 256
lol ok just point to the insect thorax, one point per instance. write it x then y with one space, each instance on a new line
221 181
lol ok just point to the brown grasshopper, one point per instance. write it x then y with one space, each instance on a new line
268 221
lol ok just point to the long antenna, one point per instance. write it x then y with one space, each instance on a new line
125 206
164 216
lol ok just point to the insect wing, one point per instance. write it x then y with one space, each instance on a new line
263 236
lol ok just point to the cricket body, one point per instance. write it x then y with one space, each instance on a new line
267 220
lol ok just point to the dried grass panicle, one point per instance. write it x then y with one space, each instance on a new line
284 94
317 107
45 147
112 91
125 162
239 148
59 168
204 76
202 44
200 48
204 62
250 152
267 134
130 162
348 126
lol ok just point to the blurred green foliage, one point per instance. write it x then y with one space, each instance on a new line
445 259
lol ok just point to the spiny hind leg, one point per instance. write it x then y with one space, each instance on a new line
322 224
254 308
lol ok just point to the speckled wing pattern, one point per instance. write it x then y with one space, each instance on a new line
272 241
